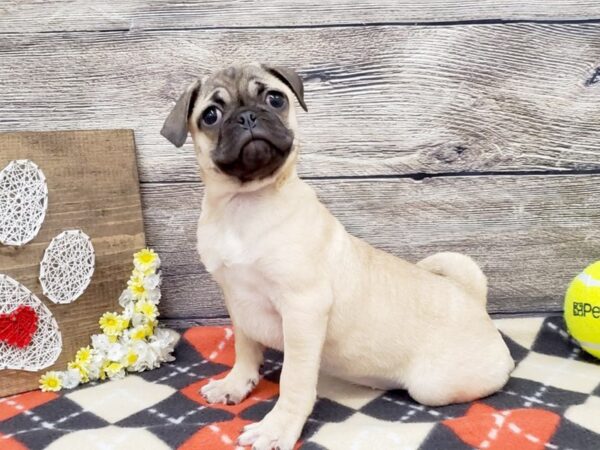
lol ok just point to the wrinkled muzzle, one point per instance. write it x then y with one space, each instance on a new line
253 143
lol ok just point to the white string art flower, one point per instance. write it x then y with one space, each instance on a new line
23 202
130 341
67 266
29 335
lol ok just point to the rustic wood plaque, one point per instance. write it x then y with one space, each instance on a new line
93 186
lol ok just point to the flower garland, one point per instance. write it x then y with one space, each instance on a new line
130 341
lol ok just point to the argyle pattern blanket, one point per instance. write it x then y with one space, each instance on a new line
552 402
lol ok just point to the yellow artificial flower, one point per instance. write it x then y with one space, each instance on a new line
141 274
83 371
137 288
103 373
113 324
148 309
83 355
138 283
113 368
131 358
145 259
138 333
109 322
136 277
123 323
50 382
149 328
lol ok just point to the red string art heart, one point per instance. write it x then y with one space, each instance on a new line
18 327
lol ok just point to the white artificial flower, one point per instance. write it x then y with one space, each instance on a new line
154 296
98 356
70 378
138 319
152 281
155 361
116 352
167 336
94 370
117 375
146 357
128 310
125 339
163 343
100 342
126 298
115 371
97 360
162 354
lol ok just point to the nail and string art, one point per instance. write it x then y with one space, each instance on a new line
67 266
23 202
29 335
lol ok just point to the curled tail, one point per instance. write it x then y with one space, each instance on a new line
460 268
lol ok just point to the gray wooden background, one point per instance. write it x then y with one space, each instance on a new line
468 125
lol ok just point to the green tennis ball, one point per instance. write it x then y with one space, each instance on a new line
582 309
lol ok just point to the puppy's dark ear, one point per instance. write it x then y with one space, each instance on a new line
175 128
291 79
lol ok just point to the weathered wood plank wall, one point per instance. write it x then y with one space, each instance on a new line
73 15
445 125
522 228
382 100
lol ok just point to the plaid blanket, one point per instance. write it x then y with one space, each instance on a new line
551 402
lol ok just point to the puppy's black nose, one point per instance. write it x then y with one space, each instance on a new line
247 120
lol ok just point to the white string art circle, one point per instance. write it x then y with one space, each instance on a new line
67 266
23 202
46 342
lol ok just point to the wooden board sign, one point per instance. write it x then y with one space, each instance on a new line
92 186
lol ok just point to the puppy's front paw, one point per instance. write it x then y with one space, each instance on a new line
279 430
230 390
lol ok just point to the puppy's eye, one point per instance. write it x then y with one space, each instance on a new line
211 115
276 99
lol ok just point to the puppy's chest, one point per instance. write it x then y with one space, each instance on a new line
250 300
232 260
221 246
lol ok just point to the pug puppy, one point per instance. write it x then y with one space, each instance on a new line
295 280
